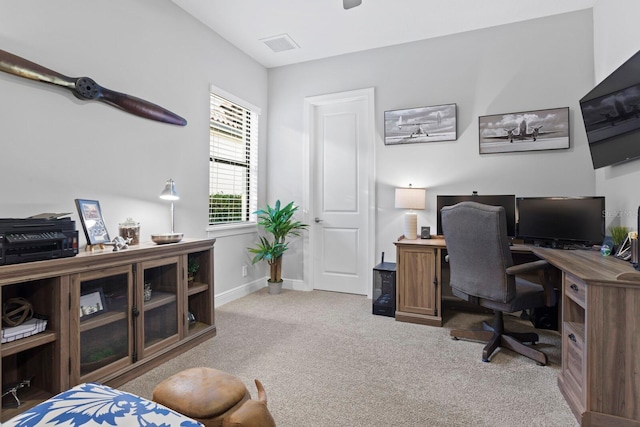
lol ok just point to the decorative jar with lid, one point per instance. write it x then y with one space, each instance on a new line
130 230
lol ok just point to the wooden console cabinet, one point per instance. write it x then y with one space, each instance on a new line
111 316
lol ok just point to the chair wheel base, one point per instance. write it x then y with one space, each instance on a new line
495 336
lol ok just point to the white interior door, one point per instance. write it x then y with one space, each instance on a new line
340 182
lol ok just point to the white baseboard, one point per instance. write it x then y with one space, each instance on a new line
248 288
239 292
296 285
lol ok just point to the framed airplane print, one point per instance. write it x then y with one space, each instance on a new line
524 131
423 124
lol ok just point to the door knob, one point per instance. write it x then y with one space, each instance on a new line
318 220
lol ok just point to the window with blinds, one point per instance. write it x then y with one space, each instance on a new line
233 162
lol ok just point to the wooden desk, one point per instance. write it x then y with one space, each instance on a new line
600 376
600 322
419 279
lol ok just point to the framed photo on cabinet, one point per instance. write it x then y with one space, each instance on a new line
92 304
91 217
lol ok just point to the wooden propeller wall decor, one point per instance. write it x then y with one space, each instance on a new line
348 4
86 89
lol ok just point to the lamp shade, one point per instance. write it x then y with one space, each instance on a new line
169 192
410 198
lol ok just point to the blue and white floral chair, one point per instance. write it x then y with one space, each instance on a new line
97 405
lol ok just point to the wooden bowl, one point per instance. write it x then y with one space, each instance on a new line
164 238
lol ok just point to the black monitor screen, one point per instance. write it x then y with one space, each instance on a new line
561 219
507 201
610 115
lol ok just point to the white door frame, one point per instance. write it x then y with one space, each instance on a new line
308 202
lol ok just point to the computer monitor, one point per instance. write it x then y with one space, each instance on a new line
507 201
551 221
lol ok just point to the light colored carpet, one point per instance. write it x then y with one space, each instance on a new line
325 360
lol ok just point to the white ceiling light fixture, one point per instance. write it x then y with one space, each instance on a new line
280 43
348 4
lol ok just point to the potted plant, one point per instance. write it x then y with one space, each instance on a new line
192 269
618 234
280 224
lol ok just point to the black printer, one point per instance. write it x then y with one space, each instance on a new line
35 239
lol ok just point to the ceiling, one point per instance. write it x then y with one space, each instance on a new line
322 28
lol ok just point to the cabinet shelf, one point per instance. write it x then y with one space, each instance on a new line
197 327
97 364
159 299
102 320
29 397
28 343
196 288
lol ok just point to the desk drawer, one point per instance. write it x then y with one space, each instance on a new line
573 358
575 289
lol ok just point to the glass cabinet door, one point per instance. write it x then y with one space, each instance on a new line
102 299
158 301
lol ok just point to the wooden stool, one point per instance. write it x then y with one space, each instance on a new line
214 398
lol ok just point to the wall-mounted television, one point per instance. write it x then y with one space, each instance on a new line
611 115
561 221
508 201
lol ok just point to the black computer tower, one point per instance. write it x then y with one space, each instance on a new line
384 289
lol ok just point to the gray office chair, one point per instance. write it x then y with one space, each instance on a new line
482 272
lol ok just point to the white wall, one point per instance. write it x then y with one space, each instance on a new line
543 63
56 148
615 41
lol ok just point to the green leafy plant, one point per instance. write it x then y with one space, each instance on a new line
192 266
618 234
192 269
280 224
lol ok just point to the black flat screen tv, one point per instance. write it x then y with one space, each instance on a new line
507 201
611 115
558 221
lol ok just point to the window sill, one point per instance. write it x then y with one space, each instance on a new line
231 229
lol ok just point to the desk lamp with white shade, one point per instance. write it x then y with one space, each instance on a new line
410 198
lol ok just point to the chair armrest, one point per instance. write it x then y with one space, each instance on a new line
542 267
528 267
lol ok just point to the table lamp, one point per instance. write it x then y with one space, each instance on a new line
169 193
410 198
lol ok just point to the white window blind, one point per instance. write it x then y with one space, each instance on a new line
233 162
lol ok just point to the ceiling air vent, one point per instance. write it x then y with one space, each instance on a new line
280 43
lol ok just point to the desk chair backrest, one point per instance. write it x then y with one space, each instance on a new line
479 254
